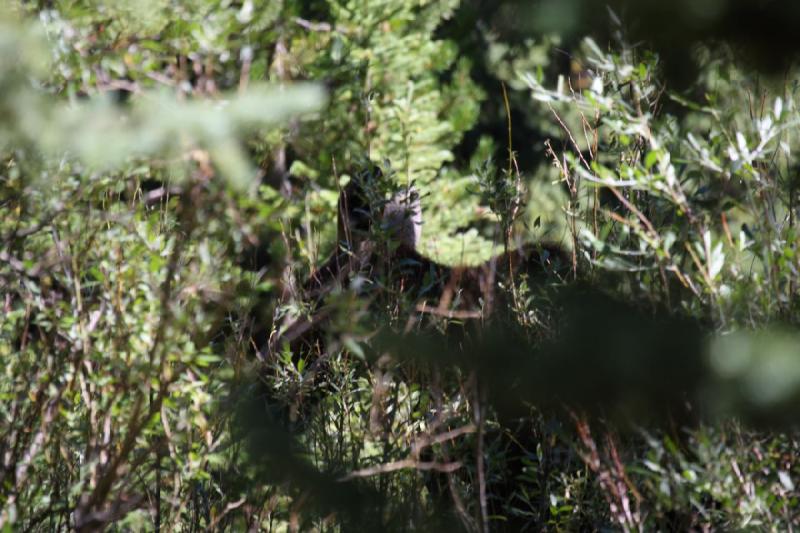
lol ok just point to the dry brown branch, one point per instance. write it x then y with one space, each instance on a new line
401 465
429 440
448 313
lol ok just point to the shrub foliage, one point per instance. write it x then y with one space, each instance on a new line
597 329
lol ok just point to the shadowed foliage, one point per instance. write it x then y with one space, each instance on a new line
399 265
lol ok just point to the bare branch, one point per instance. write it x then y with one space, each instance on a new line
401 465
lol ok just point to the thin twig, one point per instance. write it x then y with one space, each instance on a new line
481 466
429 440
313 26
401 465
448 313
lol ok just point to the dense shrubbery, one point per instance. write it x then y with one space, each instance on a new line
170 181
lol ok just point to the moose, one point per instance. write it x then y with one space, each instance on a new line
378 244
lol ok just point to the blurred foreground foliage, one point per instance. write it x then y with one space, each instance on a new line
170 175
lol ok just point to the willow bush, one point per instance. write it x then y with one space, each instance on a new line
170 177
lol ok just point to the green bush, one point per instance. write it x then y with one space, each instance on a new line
170 178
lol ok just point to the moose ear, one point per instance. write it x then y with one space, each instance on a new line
353 212
402 216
